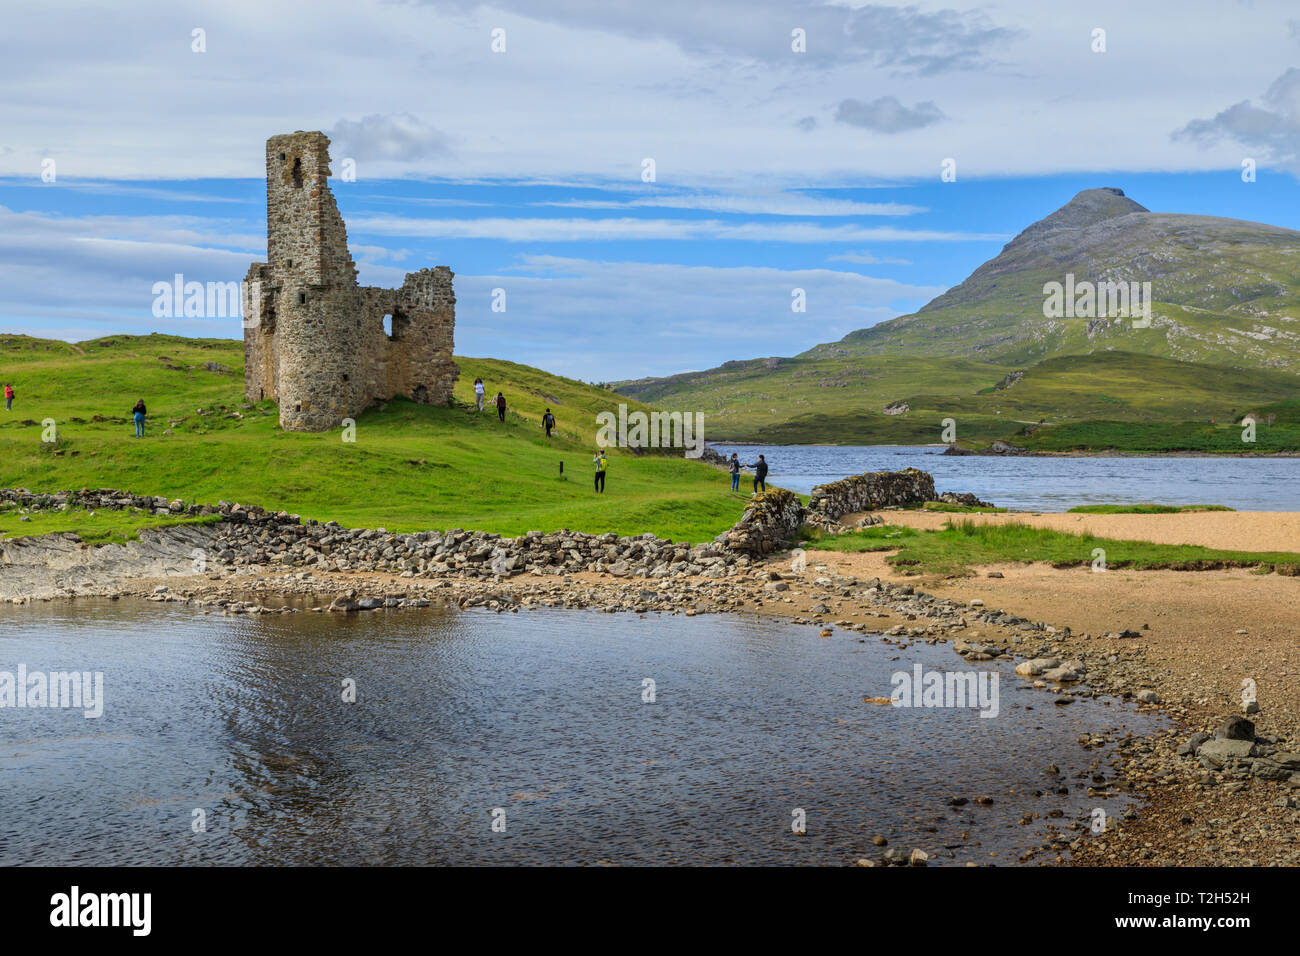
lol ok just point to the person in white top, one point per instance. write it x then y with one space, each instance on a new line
478 393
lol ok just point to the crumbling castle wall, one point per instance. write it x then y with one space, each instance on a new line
314 340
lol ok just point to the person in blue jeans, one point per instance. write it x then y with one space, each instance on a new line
138 413
760 474
735 472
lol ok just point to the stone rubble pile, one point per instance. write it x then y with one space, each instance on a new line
963 498
770 523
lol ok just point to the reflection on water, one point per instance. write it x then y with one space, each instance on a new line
540 714
1045 484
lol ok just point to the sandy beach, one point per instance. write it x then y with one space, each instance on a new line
1224 530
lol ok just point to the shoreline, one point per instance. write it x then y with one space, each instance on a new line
988 453
858 593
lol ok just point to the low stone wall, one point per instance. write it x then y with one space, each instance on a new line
875 489
769 523
252 537
108 499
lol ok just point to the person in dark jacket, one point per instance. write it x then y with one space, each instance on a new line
138 413
734 464
548 422
760 474
501 407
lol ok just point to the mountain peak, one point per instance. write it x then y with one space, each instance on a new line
1087 208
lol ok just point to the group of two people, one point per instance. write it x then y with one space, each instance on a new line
499 401
548 420
760 472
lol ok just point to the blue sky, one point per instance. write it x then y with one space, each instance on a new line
521 169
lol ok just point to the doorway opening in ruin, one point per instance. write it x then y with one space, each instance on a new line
389 328
297 172
421 395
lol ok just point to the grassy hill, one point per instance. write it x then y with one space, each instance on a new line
1226 292
842 401
411 466
1224 335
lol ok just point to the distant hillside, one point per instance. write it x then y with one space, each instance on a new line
842 401
1226 293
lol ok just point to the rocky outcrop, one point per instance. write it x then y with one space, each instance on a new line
875 489
964 498
769 523
55 565
998 447
1238 751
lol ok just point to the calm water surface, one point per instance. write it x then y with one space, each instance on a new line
538 713
1045 484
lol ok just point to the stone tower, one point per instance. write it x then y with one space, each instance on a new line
314 340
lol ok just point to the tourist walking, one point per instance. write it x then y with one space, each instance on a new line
734 464
9 397
601 464
501 407
760 474
548 422
478 393
138 412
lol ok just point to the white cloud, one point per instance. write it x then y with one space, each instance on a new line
905 39
887 115
628 228
588 88
772 204
609 320
867 259
95 274
397 138
1271 130
89 276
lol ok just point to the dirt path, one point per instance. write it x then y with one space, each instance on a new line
1227 530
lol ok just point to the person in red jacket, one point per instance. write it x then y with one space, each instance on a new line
9 397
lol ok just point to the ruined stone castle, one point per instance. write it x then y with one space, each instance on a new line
314 340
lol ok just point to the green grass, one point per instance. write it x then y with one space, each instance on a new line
1125 400
1161 437
98 527
411 467
962 545
948 507
1143 509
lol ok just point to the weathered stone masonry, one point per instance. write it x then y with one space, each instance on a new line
314 340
